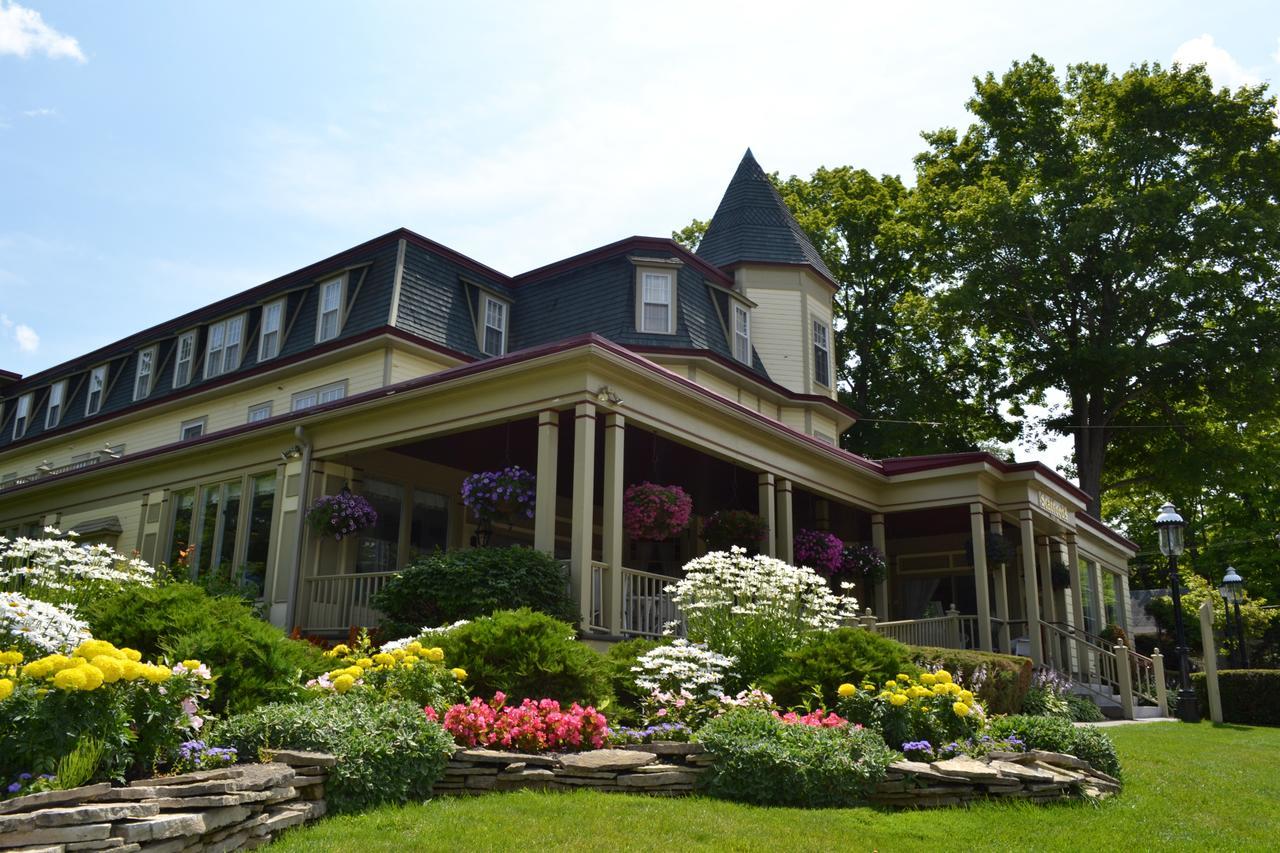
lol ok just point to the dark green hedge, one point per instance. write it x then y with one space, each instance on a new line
1008 677
1250 697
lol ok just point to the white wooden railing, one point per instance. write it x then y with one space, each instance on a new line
647 606
598 620
1115 670
955 630
338 602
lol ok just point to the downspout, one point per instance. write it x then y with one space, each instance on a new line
303 488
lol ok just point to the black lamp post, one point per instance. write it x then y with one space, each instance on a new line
1232 594
1170 526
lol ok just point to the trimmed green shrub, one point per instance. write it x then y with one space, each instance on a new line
760 759
387 750
812 673
621 657
1055 734
527 655
1250 697
1000 681
444 587
254 662
1083 709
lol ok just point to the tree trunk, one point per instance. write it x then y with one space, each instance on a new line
1090 451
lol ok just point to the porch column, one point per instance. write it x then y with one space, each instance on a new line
1029 585
768 512
611 523
882 588
584 466
1120 585
1047 609
976 518
786 522
1002 591
1077 607
544 506
1098 601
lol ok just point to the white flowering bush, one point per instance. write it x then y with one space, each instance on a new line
753 609
683 668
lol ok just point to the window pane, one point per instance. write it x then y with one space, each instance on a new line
184 504
492 341
304 401
259 412
430 524
655 318
253 572
379 544
207 527
329 326
332 295
657 288
227 535
495 314
336 392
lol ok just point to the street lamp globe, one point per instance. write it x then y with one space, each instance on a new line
1170 526
1232 587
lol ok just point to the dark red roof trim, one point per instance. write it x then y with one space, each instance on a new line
661 244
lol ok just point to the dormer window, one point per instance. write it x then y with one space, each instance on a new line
329 321
269 338
22 416
657 302
493 331
97 390
53 411
821 353
223 352
741 334
144 373
184 356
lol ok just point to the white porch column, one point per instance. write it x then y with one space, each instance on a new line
544 506
584 467
976 518
1002 591
786 522
611 523
1048 611
1029 586
882 588
1098 601
1120 585
1077 607
768 512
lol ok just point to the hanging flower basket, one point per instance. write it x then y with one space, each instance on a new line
819 550
866 562
655 513
729 527
500 495
341 515
999 550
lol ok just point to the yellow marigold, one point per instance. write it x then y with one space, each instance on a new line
354 671
364 663
112 669
898 699
10 658
73 678
131 654
890 684
846 689
192 664
384 659
60 662
943 676
6 689
941 689
961 709
130 670
410 660
928 678
91 649
459 673
904 677
93 676
339 650
435 653
885 694
867 685
38 668
343 683
966 697
956 689
414 648
398 654
155 674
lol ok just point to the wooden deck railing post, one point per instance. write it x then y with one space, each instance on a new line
1124 679
869 620
1162 692
953 628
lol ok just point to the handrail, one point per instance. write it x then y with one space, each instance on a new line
1141 669
341 602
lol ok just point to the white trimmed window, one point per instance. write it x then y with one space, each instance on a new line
260 412
494 329
821 353
318 396
741 334
329 321
97 390
53 411
142 378
184 355
657 302
269 337
192 429
22 416
222 355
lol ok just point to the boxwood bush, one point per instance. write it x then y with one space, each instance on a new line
828 659
1004 686
1250 697
444 587
1058 735
760 759
253 661
527 655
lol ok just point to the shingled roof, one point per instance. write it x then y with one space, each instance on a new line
753 223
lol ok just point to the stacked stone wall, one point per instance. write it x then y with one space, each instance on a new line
660 769
1036 776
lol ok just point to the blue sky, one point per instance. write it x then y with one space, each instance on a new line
157 156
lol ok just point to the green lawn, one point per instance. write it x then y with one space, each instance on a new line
1186 787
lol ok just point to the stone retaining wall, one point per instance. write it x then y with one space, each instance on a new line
209 811
662 769
1036 776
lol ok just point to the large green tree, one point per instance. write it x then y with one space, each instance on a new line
1117 237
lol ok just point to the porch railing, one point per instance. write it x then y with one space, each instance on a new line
598 620
1117 670
647 605
955 630
337 602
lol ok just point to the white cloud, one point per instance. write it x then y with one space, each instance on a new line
23 33
1221 65
23 335
40 112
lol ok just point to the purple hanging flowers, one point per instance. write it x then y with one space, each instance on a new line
341 515
819 550
500 495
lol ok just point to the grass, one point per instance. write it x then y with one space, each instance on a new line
1186 788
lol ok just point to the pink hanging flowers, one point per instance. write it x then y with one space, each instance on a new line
654 512
819 550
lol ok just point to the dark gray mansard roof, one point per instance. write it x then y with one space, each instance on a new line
753 223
